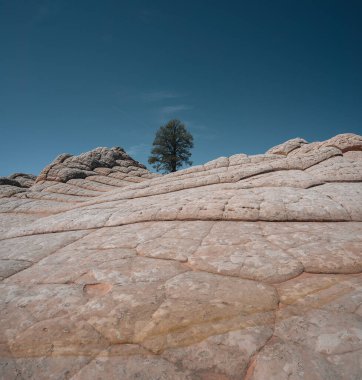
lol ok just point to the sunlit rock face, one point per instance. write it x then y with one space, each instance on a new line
247 267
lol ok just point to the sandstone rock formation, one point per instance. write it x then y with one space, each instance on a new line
99 163
15 183
247 267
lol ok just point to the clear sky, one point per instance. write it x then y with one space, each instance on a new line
242 75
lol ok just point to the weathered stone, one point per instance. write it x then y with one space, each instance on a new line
246 267
221 356
281 360
66 167
285 148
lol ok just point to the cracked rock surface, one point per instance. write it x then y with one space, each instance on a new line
246 267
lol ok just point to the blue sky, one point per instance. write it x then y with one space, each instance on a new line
242 75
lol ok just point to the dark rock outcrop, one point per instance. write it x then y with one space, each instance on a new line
18 180
66 167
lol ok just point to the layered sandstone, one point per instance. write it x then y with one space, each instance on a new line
247 267
15 183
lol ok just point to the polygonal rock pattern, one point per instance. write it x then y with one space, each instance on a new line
247 267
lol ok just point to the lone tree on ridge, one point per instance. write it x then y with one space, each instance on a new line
171 147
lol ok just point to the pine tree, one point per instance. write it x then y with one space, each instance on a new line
171 147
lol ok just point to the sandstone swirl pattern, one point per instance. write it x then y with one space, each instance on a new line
247 267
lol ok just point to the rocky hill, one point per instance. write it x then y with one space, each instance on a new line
246 267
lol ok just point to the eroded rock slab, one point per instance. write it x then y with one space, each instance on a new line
246 267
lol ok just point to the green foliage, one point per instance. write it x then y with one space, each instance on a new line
171 147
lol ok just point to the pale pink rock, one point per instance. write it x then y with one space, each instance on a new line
246 267
285 148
